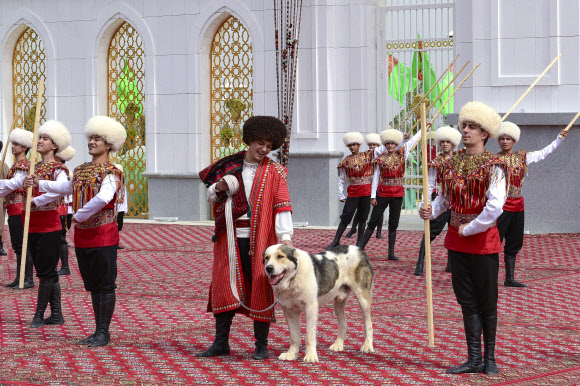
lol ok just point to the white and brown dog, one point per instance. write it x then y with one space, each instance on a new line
302 281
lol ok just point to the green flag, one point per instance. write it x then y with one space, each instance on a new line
127 93
401 80
448 78
423 71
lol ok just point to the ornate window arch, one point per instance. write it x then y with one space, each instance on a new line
28 68
126 103
232 90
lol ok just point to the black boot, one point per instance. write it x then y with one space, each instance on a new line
221 345
362 242
336 242
510 267
2 251
63 254
55 317
448 266
44 291
361 232
392 239
379 230
106 308
96 300
28 279
489 329
421 259
17 278
351 232
261 330
474 364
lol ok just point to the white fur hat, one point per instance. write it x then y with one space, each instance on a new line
373 138
352 137
67 154
119 166
391 135
57 132
21 137
483 115
511 129
112 131
448 133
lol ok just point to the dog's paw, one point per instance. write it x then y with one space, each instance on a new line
367 348
337 346
287 356
311 358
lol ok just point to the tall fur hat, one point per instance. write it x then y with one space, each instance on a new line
57 132
483 115
67 154
448 133
112 131
373 138
511 129
391 135
352 137
21 137
262 127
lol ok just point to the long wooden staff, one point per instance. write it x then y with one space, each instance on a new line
426 193
29 189
531 86
570 124
445 104
6 145
428 92
440 95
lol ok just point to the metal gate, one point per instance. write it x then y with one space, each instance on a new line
419 47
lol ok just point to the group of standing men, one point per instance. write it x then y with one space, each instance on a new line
96 188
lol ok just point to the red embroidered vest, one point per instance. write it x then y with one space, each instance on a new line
465 182
437 163
359 171
392 170
45 218
100 230
518 169
15 200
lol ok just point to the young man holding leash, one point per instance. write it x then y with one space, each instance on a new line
251 190
96 188
511 222
473 186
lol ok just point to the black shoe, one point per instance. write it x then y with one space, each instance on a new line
514 283
44 293
261 331
216 349
473 324
362 242
88 340
379 235
351 232
420 259
261 352
467 368
106 308
55 317
510 267
63 271
2 251
221 345
14 283
28 283
392 239
490 368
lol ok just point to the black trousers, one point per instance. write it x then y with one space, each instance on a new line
44 250
362 205
474 279
16 233
357 220
510 226
244 248
120 217
394 204
65 222
437 225
98 267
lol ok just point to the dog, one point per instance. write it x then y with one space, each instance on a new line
302 281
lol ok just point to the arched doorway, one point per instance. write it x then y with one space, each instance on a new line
232 89
126 103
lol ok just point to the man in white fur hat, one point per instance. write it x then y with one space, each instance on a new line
473 186
356 170
44 226
448 139
373 141
21 141
511 222
96 186
65 219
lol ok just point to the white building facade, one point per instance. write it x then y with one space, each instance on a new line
342 86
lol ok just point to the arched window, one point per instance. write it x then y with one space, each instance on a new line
232 90
126 103
28 68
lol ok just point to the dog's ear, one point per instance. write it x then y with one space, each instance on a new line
289 252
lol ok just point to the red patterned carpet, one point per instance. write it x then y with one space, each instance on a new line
160 322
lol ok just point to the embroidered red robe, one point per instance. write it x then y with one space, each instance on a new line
392 170
517 167
15 200
359 170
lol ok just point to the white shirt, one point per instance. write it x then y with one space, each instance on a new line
282 221
122 207
16 182
105 195
540 155
407 145
496 197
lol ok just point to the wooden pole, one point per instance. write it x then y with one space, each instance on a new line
6 145
426 193
29 189
570 124
440 94
531 87
444 104
428 92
